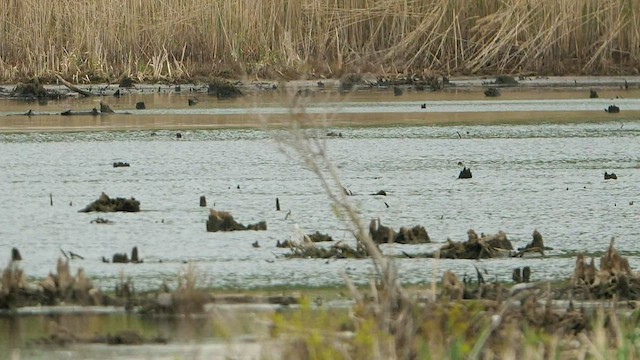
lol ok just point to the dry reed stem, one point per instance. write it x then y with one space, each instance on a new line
177 39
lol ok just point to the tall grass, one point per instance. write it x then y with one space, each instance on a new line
182 39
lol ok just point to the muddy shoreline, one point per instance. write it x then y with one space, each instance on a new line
167 109
368 82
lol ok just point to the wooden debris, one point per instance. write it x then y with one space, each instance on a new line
535 246
475 247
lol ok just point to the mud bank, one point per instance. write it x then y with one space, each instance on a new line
365 82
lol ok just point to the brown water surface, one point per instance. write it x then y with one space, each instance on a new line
361 108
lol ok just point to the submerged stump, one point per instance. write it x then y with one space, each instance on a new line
107 204
224 221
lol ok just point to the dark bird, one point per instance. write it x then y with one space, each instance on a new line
15 255
105 109
255 244
612 109
178 136
387 205
423 106
192 101
465 173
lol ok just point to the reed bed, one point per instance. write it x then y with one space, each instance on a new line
175 40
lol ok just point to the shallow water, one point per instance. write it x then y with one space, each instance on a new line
205 336
546 176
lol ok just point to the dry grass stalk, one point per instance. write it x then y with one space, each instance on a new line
96 41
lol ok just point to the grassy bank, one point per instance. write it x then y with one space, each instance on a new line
177 40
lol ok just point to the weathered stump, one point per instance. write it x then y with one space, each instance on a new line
224 221
106 204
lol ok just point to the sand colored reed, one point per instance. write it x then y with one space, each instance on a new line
177 39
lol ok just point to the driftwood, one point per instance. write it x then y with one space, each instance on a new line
535 246
74 88
224 221
475 247
69 112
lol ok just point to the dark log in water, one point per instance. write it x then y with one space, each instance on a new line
69 112
74 88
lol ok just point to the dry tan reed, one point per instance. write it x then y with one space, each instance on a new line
174 40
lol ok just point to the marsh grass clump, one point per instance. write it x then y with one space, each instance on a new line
61 287
187 298
194 38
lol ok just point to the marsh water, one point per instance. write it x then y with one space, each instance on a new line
537 158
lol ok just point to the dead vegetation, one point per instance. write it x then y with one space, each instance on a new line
61 287
480 320
614 278
483 247
278 39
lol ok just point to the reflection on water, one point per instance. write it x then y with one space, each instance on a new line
27 336
171 111
546 176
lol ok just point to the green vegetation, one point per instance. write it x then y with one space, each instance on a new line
179 40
